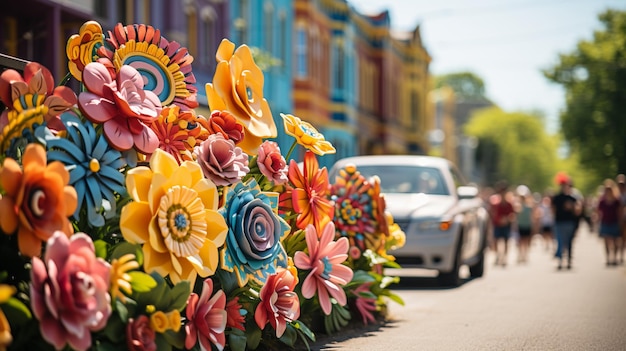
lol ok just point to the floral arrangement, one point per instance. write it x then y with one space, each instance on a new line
129 222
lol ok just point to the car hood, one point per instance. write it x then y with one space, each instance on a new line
407 205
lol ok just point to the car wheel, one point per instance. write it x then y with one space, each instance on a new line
477 270
452 278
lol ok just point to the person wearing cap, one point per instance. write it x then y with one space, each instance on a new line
566 209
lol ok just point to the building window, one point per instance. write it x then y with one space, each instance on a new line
269 26
338 66
282 18
301 55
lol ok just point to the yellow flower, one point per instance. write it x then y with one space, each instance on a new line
306 135
120 279
6 291
238 88
174 215
81 48
175 321
159 322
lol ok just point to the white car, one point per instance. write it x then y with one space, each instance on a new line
444 219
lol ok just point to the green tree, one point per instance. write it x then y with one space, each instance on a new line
466 85
594 77
513 146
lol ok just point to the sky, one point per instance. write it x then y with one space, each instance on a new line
505 42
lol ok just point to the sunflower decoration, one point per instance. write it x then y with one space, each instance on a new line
164 65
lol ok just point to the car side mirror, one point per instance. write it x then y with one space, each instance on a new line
466 192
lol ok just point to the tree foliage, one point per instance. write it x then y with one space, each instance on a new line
514 147
594 78
466 85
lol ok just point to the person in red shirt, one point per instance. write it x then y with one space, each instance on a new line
502 216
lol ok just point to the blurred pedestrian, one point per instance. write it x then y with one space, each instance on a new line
566 210
525 208
546 221
502 216
621 186
609 212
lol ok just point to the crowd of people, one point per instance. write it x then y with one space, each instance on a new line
555 217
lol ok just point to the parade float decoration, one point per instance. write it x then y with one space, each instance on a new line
128 221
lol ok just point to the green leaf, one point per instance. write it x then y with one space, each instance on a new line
387 280
114 330
124 248
16 312
253 334
304 329
175 339
161 342
107 346
102 248
122 311
141 282
237 340
290 336
179 295
396 298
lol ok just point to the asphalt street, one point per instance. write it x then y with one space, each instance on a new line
531 306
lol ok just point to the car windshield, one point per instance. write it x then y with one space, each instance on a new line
407 179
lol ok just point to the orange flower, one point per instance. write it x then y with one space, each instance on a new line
238 88
81 48
37 200
310 193
306 135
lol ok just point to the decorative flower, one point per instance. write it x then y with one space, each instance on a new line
235 314
226 124
31 100
365 302
159 322
37 201
6 291
82 48
279 303
359 213
175 321
94 167
238 88
121 105
271 162
164 65
327 273
179 131
206 319
69 291
120 279
139 335
254 232
174 215
306 135
310 193
221 161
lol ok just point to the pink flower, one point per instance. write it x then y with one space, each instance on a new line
235 318
221 161
69 291
139 335
271 163
365 302
325 262
121 105
279 303
206 319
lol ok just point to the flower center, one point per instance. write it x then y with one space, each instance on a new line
182 220
94 165
38 203
328 267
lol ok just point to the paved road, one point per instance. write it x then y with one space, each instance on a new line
520 307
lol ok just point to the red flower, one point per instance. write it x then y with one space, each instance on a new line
279 303
234 317
225 123
139 335
207 318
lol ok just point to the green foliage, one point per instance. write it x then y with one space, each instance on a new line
466 85
594 78
515 147
338 318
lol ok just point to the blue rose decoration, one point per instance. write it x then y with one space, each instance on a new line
252 248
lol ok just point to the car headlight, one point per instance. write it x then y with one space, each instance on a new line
435 225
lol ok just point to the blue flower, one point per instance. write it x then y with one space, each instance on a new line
94 167
252 248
